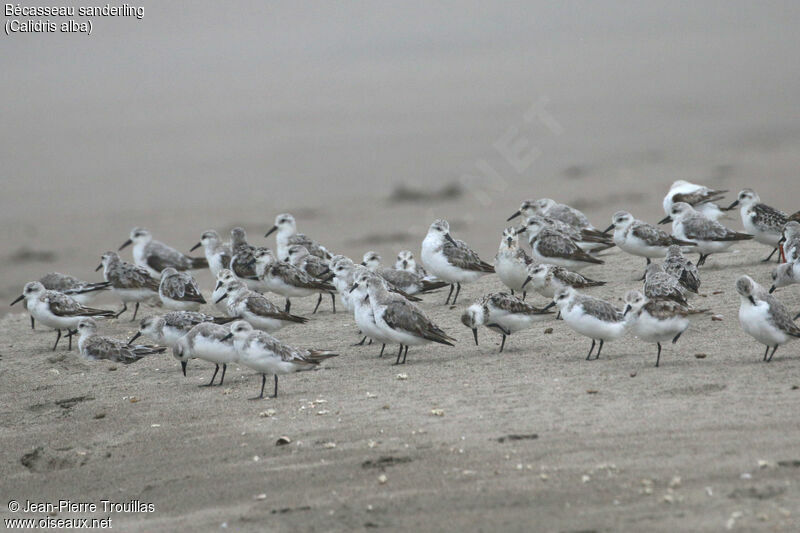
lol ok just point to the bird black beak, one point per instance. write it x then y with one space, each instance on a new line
449 238
796 316
226 337
772 289
665 220
219 284
734 204
20 297
548 306
124 244
271 231
218 300
475 334
98 267
354 287
608 229
783 240
138 334
525 282
183 367
196 246
627 309
405 265
752 300
515 215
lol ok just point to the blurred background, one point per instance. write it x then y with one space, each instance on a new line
368 119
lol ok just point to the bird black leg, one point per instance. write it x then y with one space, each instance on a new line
135 310
263 382
590 351
765 354
57 339
558 316
503 343
333 302
33 322
702 260
599 349
362 341
524 294
369 343
216 369
512 292
399 353
222 378
648 260
319 301
124 308
287 306
458 290
658 357
69 340
405 354
449 294
775 349
276 386
678 336
383 347
770 256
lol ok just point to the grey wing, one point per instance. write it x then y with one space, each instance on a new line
56 281
225 258
664 309
134 277
398 278
284 351
243 263
768 218
313 247
522 255
294 276
63 305
316 267
511 304
559 245
651 235
700 196
117 351
161 256
704 229
403 315
186 319
259 305
461 256
601 309
780 316
663 286
570 215
573 279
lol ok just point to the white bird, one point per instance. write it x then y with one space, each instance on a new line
362 309
287 280
709 236
169 327
659 285
763 222
511 262
790 241
503 313
547 279
406 261
451 260
763 317
95 347
287 235
343 270
129 282
265 354
255 308
588 240
179 291
155 256
400 280
785 275
243 263
639 238
218 254
655 320
552 247
698 196
589 316
553 209
205 341
682 269
81 291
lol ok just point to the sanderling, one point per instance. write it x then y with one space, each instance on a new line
169 327
155 256
82 292
637 237
659 285
179 291
791 241
589 240
763 222
314 266
407 282
287 235
256 308
547 279
93 346
451 260
267 355
552 209
401 320
763 317
555 248
223 278
589 316
785 275
287 280
362 309
699 196
681 268
405 261
218 254
129 282
205 341
56 310
243 262
511 262
343 270
709 236
655 320
503 313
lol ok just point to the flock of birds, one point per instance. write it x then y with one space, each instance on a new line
382 299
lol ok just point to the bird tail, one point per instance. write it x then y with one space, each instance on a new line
90 311
198 263
428 286
91 287
224 319
318 356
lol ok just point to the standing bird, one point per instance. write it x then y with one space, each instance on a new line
218 254
640 238
588 240
56 310
287 280
129 282
287 235
265 354
155 256
709 236
511 262
343 270
763 222
94 347
255 308
682 269
168 328
555 248
243 262
407 282
547 279
205 341
591 317
552 209
503 313
405 261
179 291
790 241
362 309
658 285
785 275
81 291
698 196
763 317
451 260
655 320
314 266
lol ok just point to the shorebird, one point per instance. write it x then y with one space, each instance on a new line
655 320
451 260
265 354
287 235
256 309
658 285
552 209
791 241
407 282
589 240
81 291
401 320
639 238
591 317
243 262
56 310
763 222
129 282
555 248
218 254
343 270
287 280
362 309
709 236
405 261
314 266
205 341
179 291
548 279
94 347
682 269
511 262
763 317
785 275
155 256
503 313
168 328
698 196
